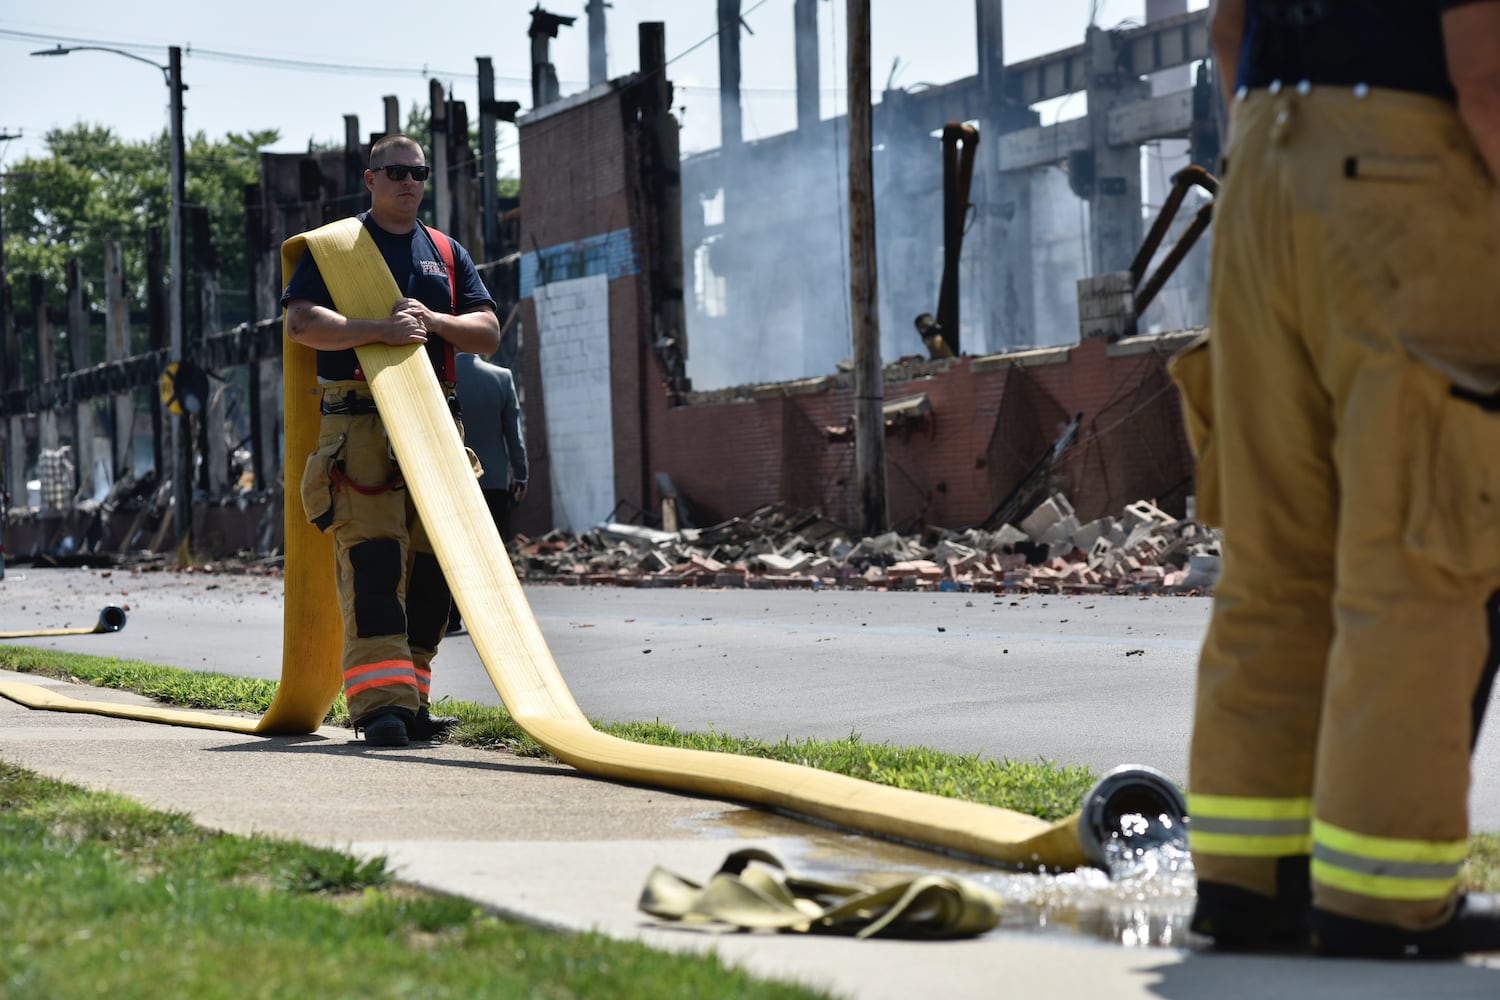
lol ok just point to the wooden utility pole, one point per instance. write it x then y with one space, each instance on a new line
81 355
48 437
442 184
117 348
489 162
157 311
12 428
864 296
212 418
255 243
354 162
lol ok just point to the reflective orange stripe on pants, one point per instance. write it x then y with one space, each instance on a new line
387 673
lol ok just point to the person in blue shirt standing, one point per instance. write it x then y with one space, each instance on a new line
392 593
1355 372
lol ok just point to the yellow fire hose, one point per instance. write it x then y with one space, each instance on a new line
111 619
515 654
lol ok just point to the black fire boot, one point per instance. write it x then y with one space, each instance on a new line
386 727
429 727
1240 920
1474 927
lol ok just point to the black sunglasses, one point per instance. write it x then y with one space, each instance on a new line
398 172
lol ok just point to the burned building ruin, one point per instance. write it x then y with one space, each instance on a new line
678 324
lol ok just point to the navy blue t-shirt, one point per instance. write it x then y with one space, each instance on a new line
420 274
1394 44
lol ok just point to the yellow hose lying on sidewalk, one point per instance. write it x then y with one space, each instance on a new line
505 632
111 619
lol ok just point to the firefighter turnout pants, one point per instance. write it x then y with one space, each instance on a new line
1355 373
392 595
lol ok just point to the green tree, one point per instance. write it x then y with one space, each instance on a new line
93 187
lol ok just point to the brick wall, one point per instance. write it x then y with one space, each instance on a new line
586 210
581 212
729 456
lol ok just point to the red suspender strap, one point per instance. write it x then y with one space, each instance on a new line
445 250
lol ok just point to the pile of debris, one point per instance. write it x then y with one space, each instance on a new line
1143 550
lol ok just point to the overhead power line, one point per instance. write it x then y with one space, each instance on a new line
244 58
323 66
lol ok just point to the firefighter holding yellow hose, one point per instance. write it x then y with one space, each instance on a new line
1355 361
392 594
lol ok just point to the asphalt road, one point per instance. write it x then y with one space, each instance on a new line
1091 680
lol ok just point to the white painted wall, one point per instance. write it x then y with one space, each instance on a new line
573 341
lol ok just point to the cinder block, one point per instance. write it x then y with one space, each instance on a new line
1088 534
1202 570
1038 521
1146 512
1138 534
1061 533
782 564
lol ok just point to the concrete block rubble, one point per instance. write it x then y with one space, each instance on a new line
1144 549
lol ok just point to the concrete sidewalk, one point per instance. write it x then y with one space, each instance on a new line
543 843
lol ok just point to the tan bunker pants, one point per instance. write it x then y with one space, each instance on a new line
392 595
1355 359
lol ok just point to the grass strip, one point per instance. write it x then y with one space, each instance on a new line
104 897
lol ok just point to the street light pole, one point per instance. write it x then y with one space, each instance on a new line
182 439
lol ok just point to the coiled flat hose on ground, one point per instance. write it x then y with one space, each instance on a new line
510 642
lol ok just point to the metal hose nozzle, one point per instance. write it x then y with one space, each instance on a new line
1131 807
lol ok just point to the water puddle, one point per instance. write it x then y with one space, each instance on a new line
1147 903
